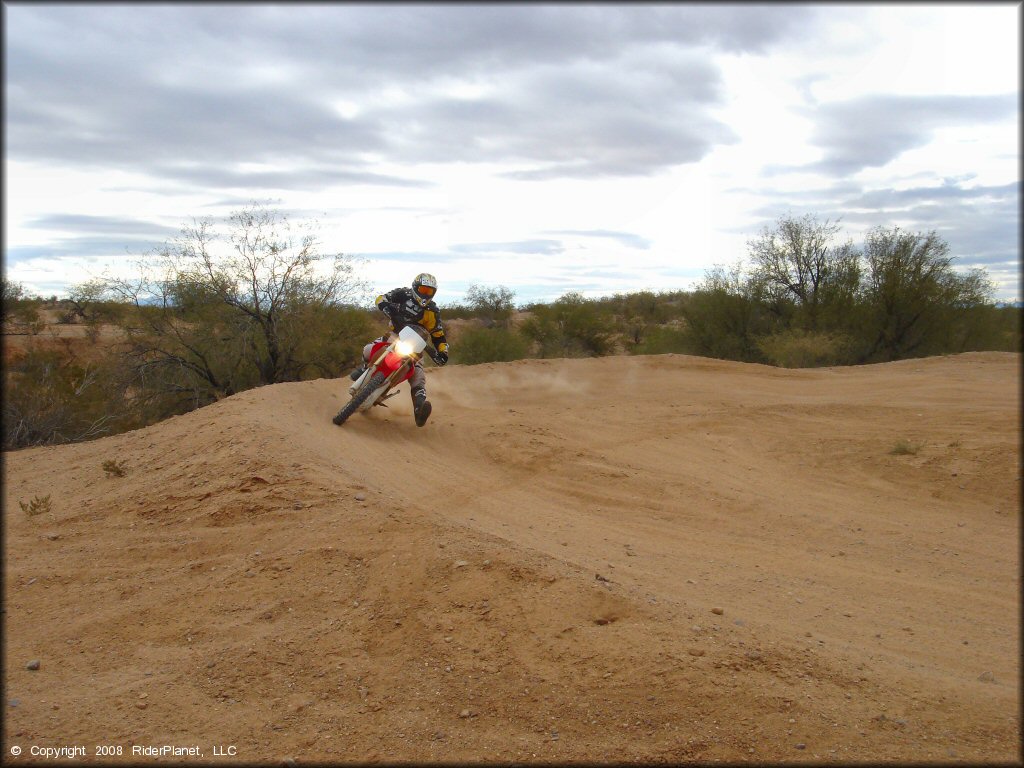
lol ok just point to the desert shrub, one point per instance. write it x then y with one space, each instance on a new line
493 306
23 315
573 326
334 340
664 339
10 293
985 327
453 311
50 397
637 315
91 303
488 345
726 315
542 334
797 348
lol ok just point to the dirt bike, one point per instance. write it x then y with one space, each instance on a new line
392 361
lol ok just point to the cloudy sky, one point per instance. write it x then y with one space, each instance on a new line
548 148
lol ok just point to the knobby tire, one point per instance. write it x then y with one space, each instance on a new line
359 398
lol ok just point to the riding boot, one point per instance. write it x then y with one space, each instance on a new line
357 372
420 406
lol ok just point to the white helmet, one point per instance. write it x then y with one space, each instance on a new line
424 287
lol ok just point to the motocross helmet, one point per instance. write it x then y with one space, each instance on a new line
424 287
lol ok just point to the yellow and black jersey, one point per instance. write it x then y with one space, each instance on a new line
411 312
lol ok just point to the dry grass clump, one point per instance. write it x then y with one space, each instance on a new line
115 468
39 505
905 448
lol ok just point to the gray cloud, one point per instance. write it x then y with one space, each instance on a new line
86 247
460 251
893 199
263 98
981 223
871 131
427 41
607 274
188 92
420 256
626 238
309 179
543 247
104 225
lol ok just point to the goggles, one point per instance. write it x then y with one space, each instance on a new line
426 291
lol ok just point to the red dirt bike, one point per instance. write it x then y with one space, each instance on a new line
391 362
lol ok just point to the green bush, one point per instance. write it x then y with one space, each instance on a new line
488 345
726 315
493 306
25 318
571 327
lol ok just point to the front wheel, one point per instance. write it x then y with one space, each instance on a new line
359 398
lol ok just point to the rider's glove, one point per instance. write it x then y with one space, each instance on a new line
388 309
441 358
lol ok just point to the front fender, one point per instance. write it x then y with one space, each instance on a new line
399 375
393 380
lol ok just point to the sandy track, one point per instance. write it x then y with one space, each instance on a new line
533 575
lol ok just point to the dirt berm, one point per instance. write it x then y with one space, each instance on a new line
649 559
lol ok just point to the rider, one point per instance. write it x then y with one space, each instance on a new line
413 306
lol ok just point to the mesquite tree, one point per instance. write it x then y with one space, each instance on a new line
216 313
913 294
799 261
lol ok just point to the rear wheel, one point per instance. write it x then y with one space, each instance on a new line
359 398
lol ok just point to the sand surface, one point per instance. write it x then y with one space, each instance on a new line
661 558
